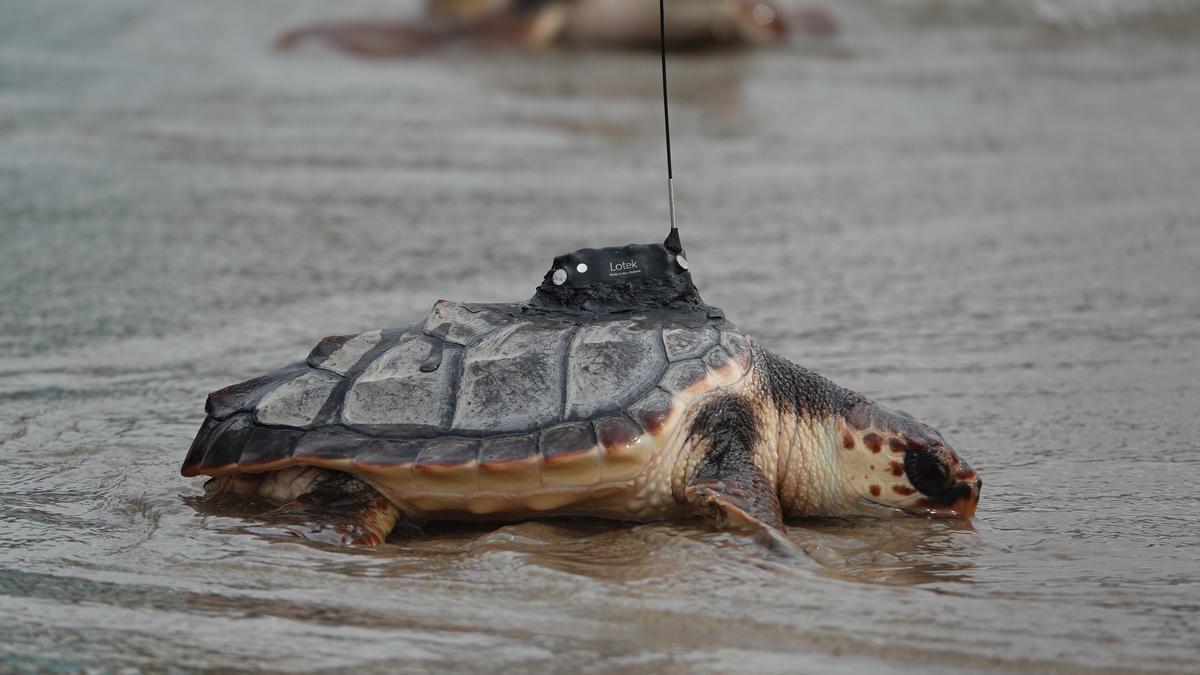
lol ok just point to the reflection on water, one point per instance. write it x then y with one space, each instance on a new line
977 223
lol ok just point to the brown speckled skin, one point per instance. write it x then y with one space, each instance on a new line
791 442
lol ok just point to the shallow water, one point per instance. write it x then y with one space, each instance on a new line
989 223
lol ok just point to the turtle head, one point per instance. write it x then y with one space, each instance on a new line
890 460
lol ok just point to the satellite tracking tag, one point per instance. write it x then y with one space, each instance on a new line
632 264
617 279
636 277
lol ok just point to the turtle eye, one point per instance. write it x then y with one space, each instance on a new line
926 472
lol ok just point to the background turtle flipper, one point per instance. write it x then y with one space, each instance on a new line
535 28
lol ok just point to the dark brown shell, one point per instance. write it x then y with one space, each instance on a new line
474 383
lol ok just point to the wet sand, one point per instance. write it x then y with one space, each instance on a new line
988 221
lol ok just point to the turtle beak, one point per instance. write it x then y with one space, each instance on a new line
958 498
961 499
960 502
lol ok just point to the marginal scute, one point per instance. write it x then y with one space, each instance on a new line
570 456
297 403
729 370
608 362
511 381
462 323
328 442
738 347
615 433
266 445
566 439
393 390
448 464
682 377
338 354
204 438
510 463
388 453
625 448
652 410
717 358
226 442
447 451
501 450
687 343
245 395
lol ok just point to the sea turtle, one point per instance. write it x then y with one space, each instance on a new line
614 392
536 24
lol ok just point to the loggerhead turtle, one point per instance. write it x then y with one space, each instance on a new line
614 392
537 24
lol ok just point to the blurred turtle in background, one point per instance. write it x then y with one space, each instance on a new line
538 24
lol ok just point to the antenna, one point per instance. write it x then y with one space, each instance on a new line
662 41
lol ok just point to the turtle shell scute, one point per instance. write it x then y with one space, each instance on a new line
340 353
681 378
513 393
607 362
393 389
511 380
738 347
463 323
687 343
298 402
243 396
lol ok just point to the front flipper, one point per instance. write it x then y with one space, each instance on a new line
745 503
726 483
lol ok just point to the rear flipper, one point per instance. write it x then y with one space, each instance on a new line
326 506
